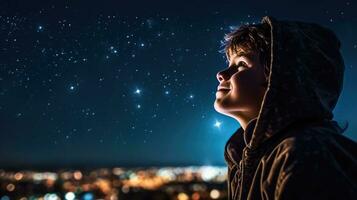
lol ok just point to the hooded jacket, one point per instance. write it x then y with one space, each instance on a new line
294 149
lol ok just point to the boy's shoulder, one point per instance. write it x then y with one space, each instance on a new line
314 142
318 159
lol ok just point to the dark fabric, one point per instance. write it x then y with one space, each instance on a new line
294 149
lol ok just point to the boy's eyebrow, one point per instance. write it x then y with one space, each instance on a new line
239 54
242 53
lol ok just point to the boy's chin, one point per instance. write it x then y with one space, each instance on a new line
221 107
226 106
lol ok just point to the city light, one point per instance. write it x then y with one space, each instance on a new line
214 194
10 187
18 176
51 196
208 173
182 196
5 198
88 196
77 175
182 183
70 196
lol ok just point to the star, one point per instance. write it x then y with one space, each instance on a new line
218 124
71 87
137 91
39 28
113 50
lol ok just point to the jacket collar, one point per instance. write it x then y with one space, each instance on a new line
237 142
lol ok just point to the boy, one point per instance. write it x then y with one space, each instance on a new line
282 83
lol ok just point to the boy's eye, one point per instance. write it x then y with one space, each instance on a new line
241 66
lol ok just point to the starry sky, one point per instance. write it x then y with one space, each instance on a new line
133 83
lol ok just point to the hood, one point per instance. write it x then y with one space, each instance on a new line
305 79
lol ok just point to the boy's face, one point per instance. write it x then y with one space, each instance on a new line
241 85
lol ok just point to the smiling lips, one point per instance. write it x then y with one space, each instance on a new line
222 88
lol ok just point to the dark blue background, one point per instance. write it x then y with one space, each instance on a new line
69 71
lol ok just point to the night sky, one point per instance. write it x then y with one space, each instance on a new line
133 84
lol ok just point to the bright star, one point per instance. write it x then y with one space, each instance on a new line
71 87
191 96
138 106
218 124
137 91
40 28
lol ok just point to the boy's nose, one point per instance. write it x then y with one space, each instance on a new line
222 75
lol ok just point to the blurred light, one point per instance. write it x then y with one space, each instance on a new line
132 176
195 196
37 176
70 196
166 173
125 189
18 176
103 185
53 197
23 198
5 198
86 187
198 187
32 198
88 196
214 194
182 196
49 183
118 171
50 196
113 197
10 187
77 175
208 173
66 175
43 176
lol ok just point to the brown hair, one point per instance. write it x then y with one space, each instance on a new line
250 38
